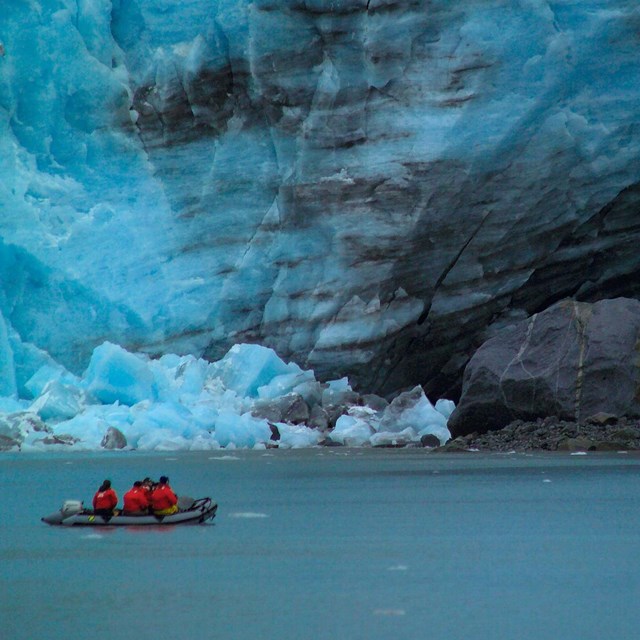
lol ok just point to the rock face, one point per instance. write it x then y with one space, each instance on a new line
370 187
574 361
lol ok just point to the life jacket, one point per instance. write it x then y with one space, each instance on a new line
135 500
105 499
163 497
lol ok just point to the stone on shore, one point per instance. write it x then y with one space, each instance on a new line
113 439
574 361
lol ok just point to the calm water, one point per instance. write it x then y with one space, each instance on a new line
329 544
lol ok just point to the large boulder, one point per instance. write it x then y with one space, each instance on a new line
289 408
573 361
114 439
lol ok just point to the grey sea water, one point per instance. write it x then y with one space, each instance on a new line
330 544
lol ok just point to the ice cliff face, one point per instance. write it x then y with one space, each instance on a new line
369 187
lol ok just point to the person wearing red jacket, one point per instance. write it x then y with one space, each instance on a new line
163 500
135 500
105 500
147 485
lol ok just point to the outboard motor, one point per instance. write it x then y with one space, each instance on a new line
69 507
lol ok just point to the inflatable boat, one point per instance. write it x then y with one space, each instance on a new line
190 511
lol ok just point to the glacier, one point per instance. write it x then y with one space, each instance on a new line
369 188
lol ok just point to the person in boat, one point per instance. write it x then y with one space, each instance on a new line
148 484
163 500
105 500
135 500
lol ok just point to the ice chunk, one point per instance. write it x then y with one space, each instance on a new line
284 384
85 431
394 438
241 431
163 440
337 392
115 375
412 409
12 405
445 407
46 374
247 367
176 376
8 385
351 431
163 425
58 401
297 436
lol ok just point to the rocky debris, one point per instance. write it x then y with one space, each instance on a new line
15 427
573 360
334 411
318 418
375 402
389 440
114 439
275 432
328 442
290 408
62 438
429 440
602 418
457 445
406 401
7 443
552 434
274 440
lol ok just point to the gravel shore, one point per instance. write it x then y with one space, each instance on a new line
600 433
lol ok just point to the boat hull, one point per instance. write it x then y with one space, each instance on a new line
202 510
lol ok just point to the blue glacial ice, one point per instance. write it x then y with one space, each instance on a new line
186 403
366 187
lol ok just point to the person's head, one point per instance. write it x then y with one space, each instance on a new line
137 483
164 480
105 485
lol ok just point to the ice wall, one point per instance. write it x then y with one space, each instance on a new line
370 188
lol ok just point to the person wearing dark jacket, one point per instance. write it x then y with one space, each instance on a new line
163 500
135 501
105 500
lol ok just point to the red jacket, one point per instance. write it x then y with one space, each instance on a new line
163 497
135 499
105 499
